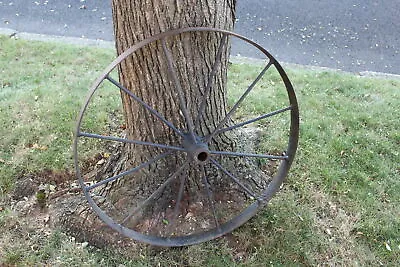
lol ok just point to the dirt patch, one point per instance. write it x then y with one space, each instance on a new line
24 217
27 184
51 200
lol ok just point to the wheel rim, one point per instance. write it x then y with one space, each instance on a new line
196 147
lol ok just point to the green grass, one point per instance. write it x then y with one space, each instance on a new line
339 206
42 89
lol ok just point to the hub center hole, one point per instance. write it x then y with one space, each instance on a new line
202 156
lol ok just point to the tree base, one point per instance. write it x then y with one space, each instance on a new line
72 215
65 208
163 215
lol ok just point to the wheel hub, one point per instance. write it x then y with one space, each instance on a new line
196 150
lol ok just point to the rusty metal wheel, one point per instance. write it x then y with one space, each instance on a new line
217 210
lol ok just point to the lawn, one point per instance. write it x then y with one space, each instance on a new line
339 206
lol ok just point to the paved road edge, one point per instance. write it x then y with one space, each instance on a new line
108 44
55 38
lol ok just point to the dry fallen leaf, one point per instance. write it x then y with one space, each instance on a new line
328 231
189 216
387 246
38 147
101 162
46 219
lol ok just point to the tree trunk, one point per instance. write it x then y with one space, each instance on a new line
174 99
146 74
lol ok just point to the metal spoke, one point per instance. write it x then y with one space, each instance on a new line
133 170
253 120
178 87
156 193
178 200
250 155
129 141
210 81
150 109
234 108
248 191
210 198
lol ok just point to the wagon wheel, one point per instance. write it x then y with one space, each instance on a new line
198 154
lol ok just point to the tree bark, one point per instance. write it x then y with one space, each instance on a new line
145 73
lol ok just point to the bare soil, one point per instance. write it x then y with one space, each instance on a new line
64 207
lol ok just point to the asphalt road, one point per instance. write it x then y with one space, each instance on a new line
352 35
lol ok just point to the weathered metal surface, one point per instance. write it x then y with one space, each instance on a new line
194 145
